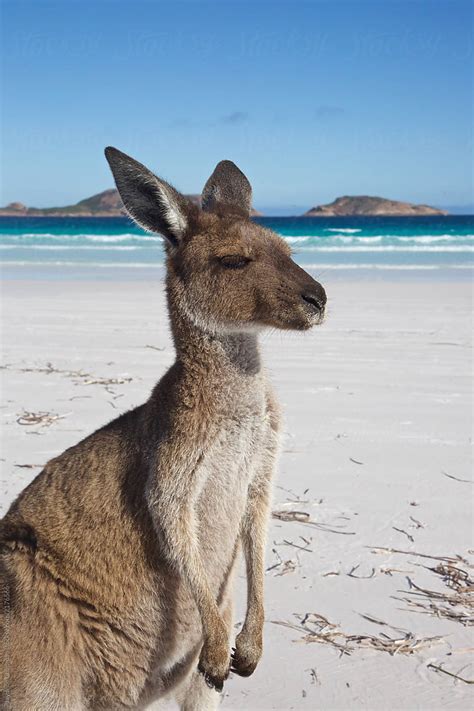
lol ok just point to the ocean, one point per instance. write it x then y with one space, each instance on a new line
65 245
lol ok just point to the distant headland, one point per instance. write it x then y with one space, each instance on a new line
108 204
105 204
366 205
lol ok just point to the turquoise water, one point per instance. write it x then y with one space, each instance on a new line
421 243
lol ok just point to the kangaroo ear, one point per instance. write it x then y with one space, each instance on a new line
227 188
151 202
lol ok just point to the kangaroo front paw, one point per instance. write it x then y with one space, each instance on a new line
214 665
246 655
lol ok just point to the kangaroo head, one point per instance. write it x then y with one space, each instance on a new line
225 273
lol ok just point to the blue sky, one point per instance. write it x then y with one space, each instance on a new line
311 99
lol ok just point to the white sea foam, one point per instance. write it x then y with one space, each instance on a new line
36 234
82 265
310 248
74 247
399 267
341 229
344 239
428 239
373 239
87 236
337 235
319 266
122 238
392 248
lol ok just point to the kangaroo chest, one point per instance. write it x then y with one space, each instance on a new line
228 467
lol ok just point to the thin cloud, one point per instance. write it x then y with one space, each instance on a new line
181 123
232 119
235 117
326 112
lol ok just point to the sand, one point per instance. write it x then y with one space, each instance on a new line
376 453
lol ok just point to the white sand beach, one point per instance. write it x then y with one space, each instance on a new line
376 458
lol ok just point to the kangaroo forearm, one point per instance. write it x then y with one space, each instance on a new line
253 541
249 641
177 529
255 522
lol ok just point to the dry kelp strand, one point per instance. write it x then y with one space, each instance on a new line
318 629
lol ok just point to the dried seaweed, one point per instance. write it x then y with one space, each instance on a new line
444 559
300 516
314 676
287 566
408 535
417 523
284 542
455 578
304 517
437 668
283 566
79 376
44 419
456 605
318 629
27 466
456 478
389 571
296 498
350 574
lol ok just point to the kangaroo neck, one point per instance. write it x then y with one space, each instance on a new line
219 354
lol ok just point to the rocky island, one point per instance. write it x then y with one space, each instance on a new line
366 205
104 204
108 204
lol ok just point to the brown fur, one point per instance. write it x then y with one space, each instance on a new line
116 561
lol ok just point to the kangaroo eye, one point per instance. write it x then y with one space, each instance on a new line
234 261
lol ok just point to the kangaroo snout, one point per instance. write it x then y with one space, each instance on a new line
314 298
309 297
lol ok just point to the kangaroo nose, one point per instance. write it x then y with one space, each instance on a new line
316 300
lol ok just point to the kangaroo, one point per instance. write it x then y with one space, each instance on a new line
117 560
